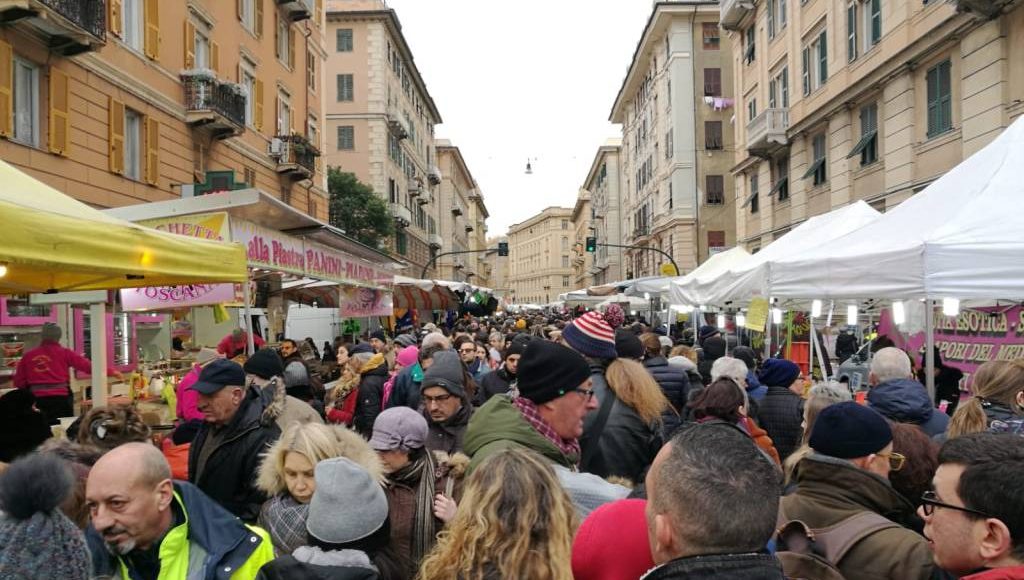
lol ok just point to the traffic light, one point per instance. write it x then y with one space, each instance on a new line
502 248
591 245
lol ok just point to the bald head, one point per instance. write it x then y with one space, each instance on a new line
141 462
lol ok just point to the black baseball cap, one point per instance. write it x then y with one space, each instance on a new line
218 374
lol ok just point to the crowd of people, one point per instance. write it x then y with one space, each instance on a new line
545 447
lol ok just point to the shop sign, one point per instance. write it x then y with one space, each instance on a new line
359 301
169 297
324 263
266 248
205 226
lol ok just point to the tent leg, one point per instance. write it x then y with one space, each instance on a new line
929 353
98 337
247 296
810 366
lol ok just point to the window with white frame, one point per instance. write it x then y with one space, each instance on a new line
248 14
863 27
284 113
313 131
133 144
248 80
284 45
776 13
26 102
814 60
202 48
750 44
778 89
751 109
132 23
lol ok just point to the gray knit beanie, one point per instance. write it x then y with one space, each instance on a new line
348 505
36 539
445 372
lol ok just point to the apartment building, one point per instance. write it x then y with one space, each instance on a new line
499 268
539 256
120 102
864 100
380 118
675 107
458 223
603 182
477 219
582 223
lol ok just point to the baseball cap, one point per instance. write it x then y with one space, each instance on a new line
218 374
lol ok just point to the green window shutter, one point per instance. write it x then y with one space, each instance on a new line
822 58
945 97
851 32
806 58
932 83
876 21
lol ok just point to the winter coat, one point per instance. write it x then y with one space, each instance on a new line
830 490
731 566
478 370
310 563
497 383
406 391
1001 418
713 349
761 438
675 385
229 475
22 428
187 408
907 401
448 435
231 550
781 414
1008 573
285 410
755 390
626 446
371 394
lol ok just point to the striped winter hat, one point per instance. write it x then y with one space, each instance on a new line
591 335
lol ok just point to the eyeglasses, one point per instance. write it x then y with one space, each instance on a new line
438 399
467 350
896 460
930 501
588 394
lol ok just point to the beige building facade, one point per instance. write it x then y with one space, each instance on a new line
604 184
868 100
456 226
582 260
477 220
379 122
120 102
499 267
540 254
676 153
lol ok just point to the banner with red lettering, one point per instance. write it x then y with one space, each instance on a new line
266 248
170 297
359 301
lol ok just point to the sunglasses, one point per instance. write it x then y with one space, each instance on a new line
930 501
896 460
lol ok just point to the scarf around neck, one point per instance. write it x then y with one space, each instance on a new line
419 475
530 412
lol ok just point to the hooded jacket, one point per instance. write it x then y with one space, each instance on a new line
371 394
498 425
755 566
675 385
830 490
907 401
284 409
22 428
230 472
232 550
406 390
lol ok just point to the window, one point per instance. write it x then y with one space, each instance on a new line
755 201
284 114
815 63
751 109
248 80
669 145
817 168
565 244
714 189
201 46
776 17
346 137
867 147
313 131
346 89
401 243
26 102
565 281
250 12
750 41
131 23
132 144
778 89
285 42
311 70
780 179
344 40
940 112
716 240
712 82
565 261
565 224
712 40
851 31
249 176
713 135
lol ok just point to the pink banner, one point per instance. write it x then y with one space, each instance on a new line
169 297
359 301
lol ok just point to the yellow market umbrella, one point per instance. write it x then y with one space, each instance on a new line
52 242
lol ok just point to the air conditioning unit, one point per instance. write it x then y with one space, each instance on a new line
276 147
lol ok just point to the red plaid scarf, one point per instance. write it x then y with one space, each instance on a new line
569 447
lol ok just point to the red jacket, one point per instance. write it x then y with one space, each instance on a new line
231 348
1008 573
47 364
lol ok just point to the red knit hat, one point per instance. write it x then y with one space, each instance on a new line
590 335
612 543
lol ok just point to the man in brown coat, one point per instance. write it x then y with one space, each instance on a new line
846 475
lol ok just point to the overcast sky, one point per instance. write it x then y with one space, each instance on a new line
528 79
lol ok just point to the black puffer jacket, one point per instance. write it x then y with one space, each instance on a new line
371 395
626 446
712 350
781 414
229 475
676 386
497 383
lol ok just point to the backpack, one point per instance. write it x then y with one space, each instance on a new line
814 554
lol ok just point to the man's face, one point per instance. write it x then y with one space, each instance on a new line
950 532
220 407
125 512
512 362
377 344
440 404
287 348
467 352
565 414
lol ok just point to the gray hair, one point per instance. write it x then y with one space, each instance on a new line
436 338
831 391
729 368
890 363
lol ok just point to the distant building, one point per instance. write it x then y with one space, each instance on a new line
582 260
604 184
461 222
540 254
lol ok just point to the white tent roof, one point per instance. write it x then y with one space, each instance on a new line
961 238
688 289
747 276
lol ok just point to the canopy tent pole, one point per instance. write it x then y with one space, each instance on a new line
810 352
247 296
929 345
98 338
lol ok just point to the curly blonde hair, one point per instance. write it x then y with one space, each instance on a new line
514 521
636 388
317 442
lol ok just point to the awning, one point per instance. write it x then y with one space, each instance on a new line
424 295
53 242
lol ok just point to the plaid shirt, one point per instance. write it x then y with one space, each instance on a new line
528 408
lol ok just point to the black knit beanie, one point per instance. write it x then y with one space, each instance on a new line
549 370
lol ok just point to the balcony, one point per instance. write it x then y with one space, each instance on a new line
296 10
397 126
70 26
983 9
456 208
733 12
469 228
434 175
214 106
436 241
415 187
424 199
767 132
474 194
295 155
402 215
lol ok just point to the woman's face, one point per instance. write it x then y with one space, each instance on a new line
342 356
393 460
298 476
481 353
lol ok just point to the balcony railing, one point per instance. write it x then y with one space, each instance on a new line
434 175
215 105
436 241
402 215
733 12
296 10
73 26
768 131
296 156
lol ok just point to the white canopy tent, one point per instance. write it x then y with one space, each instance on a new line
687 289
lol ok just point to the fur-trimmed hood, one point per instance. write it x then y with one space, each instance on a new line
454 465
348 444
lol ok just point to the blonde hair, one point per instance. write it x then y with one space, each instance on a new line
819 397
636 388
998 381
514 521
683 350
316 442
